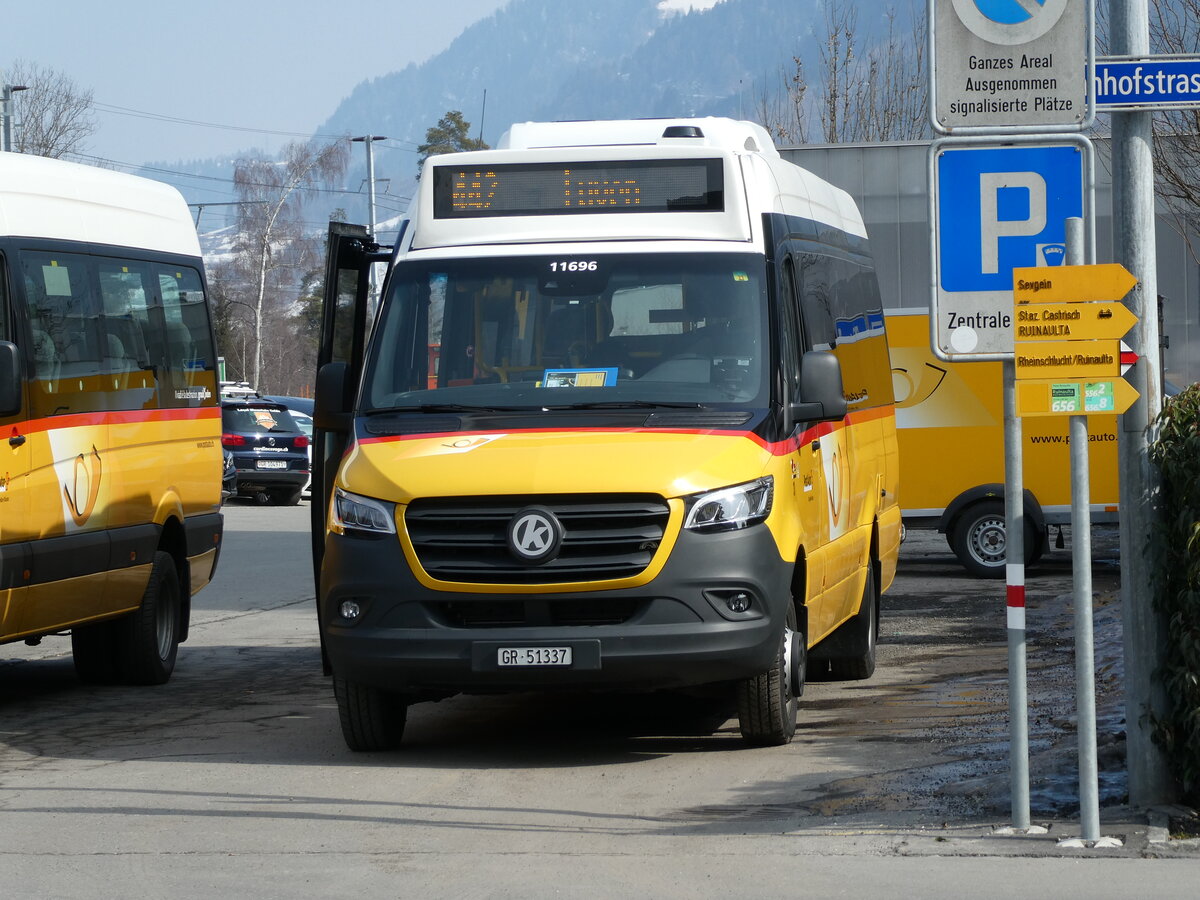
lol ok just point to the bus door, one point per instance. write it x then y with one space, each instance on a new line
808 475
14 462
344 322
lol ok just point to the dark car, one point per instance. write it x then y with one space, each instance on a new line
228 477
269 449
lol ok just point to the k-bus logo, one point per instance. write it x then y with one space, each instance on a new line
1009 22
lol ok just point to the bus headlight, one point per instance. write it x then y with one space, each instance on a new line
730 508
352 512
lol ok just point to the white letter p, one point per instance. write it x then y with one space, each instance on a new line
991 228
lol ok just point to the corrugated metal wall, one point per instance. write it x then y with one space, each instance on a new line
890 184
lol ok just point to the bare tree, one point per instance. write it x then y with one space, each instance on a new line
53 115
876 92
1175 28
272 249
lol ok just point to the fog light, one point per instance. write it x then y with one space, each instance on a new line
350 610
738 602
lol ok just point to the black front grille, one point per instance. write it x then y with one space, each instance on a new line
536 612
606 537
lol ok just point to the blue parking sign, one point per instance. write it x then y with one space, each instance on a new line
996 208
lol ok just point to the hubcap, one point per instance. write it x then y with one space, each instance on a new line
989 541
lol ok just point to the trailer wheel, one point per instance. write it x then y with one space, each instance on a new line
980 541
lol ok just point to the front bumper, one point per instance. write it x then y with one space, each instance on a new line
674 631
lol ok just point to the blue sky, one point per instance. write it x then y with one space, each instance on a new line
260 66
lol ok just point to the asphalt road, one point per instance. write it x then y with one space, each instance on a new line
234 780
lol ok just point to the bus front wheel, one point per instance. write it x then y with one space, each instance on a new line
372 719
768 702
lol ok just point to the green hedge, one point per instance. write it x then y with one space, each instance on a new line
1177 454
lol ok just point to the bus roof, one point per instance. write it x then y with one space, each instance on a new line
463 198
50 198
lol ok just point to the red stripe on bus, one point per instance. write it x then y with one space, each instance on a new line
116 417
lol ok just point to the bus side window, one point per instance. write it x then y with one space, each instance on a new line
63 325
790 343
190 360
6 329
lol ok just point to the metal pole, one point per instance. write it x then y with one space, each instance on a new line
6 115
1081 562
1134 242
366 141
1014 526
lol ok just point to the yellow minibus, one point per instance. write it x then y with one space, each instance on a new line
110 466
623 419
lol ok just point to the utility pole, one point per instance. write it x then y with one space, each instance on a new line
6 114
367 140
1134 245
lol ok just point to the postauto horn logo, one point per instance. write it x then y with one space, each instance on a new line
1009 22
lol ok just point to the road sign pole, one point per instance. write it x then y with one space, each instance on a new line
1134 243
1014 527
1081 561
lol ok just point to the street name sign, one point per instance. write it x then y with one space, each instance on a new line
1074 397
996 207
1072 321
1010 66
1146 83
1101 281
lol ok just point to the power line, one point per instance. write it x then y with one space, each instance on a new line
176 120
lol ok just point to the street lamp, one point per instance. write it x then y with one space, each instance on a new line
6 117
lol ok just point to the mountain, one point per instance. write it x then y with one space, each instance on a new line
569 59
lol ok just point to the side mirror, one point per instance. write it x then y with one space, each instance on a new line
329 406
10 379
821 394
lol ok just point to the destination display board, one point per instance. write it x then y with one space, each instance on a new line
561 188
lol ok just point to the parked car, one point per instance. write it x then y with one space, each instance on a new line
228 477
301 409
270 451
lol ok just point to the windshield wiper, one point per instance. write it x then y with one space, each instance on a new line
629 404
445 408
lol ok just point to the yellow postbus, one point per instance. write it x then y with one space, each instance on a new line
623 420
110 470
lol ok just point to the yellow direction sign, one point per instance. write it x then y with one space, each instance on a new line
1071 284
1068 359
1072 321
1074 397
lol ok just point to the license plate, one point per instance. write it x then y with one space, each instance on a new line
271 464
534 656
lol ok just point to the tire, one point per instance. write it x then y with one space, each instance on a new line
372 719
285 496
768 702
979 540
148 639
859 637
94 652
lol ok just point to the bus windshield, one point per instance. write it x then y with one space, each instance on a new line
572 331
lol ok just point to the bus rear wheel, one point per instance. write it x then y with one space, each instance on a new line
148 639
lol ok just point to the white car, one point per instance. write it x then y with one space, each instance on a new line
304 420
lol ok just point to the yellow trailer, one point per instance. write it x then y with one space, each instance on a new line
950 428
